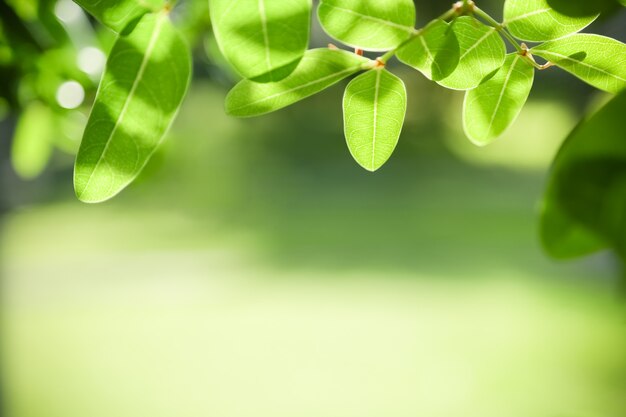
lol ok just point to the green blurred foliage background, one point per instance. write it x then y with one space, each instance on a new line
256 270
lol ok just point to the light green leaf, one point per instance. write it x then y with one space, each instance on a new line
262 39
374 106
435 52
117 14
595 59
481 52
585 201
32 141
319 69
375 25
536 21
146 78
493 106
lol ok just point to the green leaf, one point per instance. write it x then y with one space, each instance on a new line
481 52
585 202
493 106
32 141
319 69
595 59
375 25
374 106
146 78
118 14
262 39
434 52
536 21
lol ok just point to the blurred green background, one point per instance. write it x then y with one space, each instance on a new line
256 270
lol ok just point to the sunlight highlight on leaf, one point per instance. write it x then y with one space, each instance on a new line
374 106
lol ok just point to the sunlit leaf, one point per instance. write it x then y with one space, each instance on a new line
536 21
262 39
585 203
375 25
435 52
318 69
32 141
481 52
583 8
374 106
491 108
144 83
595 59
117 14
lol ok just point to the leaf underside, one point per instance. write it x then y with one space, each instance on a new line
262 39
374 106
481 52
595 59
374 25
493 106
146 78
318 69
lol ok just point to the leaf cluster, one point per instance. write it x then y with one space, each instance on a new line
148 70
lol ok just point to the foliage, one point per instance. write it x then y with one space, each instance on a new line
149 66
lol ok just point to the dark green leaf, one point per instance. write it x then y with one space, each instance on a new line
585 203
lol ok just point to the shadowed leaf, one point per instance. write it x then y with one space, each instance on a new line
481 52
262 39
435 52
493 106
318 69
374 25
146 78
536 21
595 59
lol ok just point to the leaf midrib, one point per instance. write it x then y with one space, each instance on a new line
129 98
376 91
567 58
501 96
291 90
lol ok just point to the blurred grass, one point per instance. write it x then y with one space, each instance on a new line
255 270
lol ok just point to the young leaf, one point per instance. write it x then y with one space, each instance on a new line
491 108
117 14
585 201
32 141
146 78
434 52
595 59
318 69
536 21
481 52
374 106
262 39
375 25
